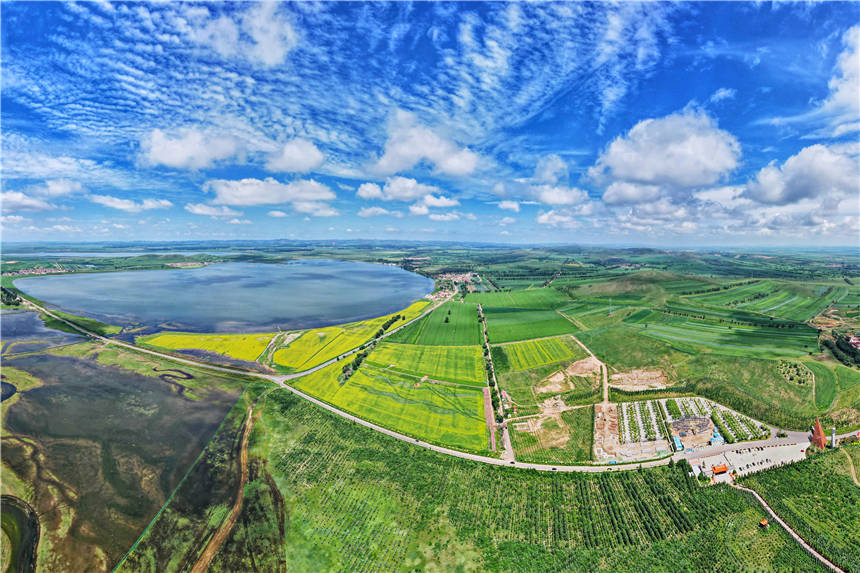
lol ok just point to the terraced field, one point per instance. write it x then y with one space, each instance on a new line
461 329
789 301
319 345
512 324
240 346
441 414
533 353
462 364
741 340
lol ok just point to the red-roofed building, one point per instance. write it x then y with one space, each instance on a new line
819 440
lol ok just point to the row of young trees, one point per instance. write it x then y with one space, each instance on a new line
842 350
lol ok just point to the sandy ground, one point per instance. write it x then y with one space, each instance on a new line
584 367
639 380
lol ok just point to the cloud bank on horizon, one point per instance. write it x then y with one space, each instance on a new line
676 125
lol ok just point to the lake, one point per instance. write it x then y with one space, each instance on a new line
235 297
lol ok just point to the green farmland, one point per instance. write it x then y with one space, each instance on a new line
448 415
533 353
512 324
791 301
462 364
452 324
739 340
538 298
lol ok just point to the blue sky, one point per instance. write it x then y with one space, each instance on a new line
658 124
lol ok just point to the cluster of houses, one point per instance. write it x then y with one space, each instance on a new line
854 341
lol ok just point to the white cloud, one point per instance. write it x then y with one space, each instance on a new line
369 191
410 143
128 205
12 219
554 218
813 172
11 201
377 212
839 112
419 209
623 192
439 201
262 35
507 221
269 191
58 188
315 208
277 214
238 222
297 156
550 170
452 216
211 211
723 94
555 195
396 189
188 148
510 206
681 150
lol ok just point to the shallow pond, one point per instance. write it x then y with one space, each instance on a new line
24 331
235 297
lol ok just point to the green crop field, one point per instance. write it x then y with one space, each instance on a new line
537 298
742 340
241 346
791 301
512 324
819 500
358 501
317 346
533 353
463 364
461 329
448 415
577 425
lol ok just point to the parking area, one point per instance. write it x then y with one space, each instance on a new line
744 461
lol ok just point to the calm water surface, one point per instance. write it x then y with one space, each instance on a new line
235 297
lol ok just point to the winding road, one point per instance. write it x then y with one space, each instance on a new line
281 380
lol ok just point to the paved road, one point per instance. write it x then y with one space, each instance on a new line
790 531
281 380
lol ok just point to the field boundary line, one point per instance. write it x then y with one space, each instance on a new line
851 467
788 529
573 321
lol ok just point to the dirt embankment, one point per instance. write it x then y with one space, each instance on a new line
223 531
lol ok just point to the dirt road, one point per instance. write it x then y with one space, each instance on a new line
217 540
788 529
851 467
489 418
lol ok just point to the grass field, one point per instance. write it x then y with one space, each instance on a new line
533 353
537 298
578 424
462 328
818 498
241 346
740 340
319 345
463 364
523 387
791 301
446 415
512 324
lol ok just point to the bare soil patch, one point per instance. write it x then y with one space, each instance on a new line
639 380
584 367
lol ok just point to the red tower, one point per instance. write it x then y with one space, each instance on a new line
819 440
